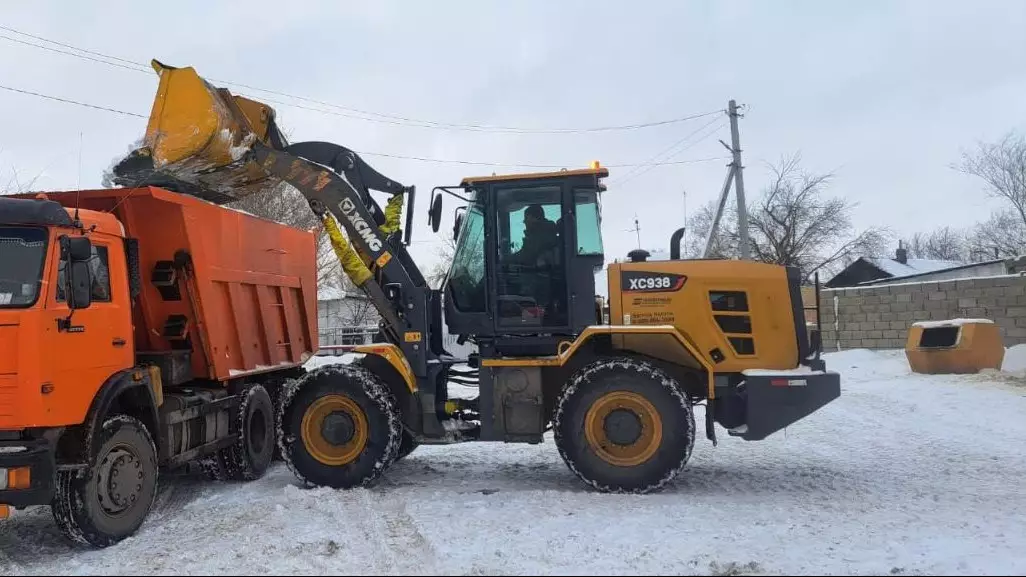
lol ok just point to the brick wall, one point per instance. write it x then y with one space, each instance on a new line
878 317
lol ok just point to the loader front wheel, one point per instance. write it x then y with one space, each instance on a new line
342 427
623 425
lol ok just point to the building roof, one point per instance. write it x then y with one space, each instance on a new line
957 266
912 266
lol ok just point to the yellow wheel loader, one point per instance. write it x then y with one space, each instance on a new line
617 387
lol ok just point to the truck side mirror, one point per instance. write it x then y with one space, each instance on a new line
435 214
78 282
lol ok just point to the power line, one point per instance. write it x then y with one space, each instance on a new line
68 101
384 154
669 151
354 113
522 165
59 51
19 32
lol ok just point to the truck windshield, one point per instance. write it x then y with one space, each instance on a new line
466 278
22 252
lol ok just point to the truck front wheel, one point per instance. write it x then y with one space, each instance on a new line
341 427
109 500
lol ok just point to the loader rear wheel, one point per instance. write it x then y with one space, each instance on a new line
109 500
623 425
341 427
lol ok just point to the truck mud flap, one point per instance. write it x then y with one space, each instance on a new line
776 401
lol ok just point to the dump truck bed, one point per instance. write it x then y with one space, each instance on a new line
249 304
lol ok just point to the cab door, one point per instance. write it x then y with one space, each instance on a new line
86 346
530 254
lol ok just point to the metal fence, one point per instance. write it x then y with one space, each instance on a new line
331 339
346 336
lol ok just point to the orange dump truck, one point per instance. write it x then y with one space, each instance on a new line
141 329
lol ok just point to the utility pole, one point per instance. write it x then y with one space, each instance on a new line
739 181
685 194
733 177
636 229
719 212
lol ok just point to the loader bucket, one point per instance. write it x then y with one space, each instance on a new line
198 140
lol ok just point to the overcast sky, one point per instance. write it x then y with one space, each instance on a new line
885 93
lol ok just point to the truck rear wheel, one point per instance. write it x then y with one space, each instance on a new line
341 427
624 426
252 454
109 501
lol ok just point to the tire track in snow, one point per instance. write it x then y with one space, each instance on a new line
393 536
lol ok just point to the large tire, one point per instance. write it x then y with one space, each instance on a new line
624 426
384 371
407 446
249 458
109 500
341 427
252 454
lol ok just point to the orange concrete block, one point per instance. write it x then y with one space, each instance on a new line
958 346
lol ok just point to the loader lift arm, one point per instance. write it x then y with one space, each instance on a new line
410 309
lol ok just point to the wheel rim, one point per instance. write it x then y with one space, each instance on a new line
334 430
623 428
119 480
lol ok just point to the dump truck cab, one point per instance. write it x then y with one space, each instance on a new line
142 330
58 328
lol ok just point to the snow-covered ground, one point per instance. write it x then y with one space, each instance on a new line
904 474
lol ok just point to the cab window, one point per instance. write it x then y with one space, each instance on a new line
22 253
467 276
100 268
588 217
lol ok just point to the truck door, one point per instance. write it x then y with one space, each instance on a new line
98 342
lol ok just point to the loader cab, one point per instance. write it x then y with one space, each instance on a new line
527 250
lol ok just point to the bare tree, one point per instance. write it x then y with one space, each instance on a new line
1002 166
440 268
18 182
288 206
793 223
360 309
945 243
1003 235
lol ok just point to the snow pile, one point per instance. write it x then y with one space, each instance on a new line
324 360
1015 359
904 474
951 323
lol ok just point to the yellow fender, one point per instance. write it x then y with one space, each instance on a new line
395 357
567 349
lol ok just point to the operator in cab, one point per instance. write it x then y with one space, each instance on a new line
540 237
